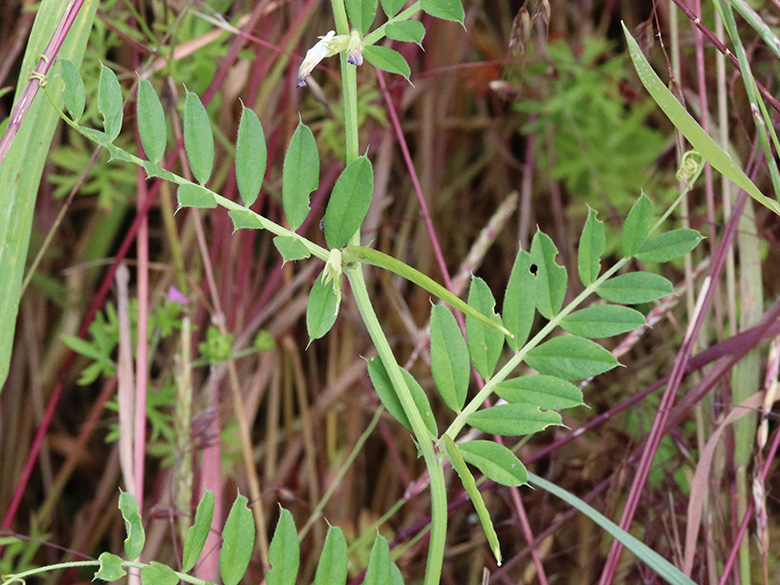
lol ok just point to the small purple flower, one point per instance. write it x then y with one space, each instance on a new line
175 296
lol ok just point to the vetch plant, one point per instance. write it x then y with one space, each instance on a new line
533 329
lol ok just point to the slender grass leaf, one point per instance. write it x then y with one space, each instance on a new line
110 568
109 100
449 358
694 133
593 242
519 301
384 388
136 538
333 566
158 574
392 7
387 59
421 402
191 195
408 31
74 95
251 156
238 540
300 175
362 13
245 219
198 532
546 392
550 276
495 461
603 321
459 465
396 578
198 138
637 226
571 358
634 288
669 245
291 248
378 571
323 308
151 121
484 343
349 202
513 419
284 554
446 9
659 564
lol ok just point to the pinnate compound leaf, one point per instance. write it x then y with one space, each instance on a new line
420 401
513 419
449 358
291 248
459 465
593 242
546 392
245 219
158 574
136 538
446 9
284 552
669 245
198 138
251 156
191 195
238 540
637 226
392 7
362 13
550 276
198 532
571 358
322 309
334 561
603 321
74 95
495 461
300 175
349 202
110 568
484 343
519 301
378 571
110 102
408 31
151 121
634 288
387 59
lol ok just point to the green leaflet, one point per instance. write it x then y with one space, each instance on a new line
323 308
513 419
245 219
408 31
74 95
519 301
362 13
593 242
669 245
291 248
333 565
446 9
459 465
151 121
110 104
238 540
387 395
602 321
637 226
158 574
571 358
349 202
198 532
484 343
379 564
284 553
551 277
198 138
300 175
449 358
495 461
251 156
191 195
634 288
387 59
546 392
134 543
110 568
392 7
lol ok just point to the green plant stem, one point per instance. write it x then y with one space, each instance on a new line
379 33
20 577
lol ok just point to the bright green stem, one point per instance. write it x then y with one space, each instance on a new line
422 435
21 577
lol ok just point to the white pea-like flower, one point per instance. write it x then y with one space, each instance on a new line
314 55
355 50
